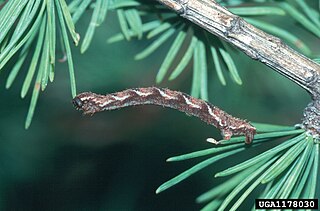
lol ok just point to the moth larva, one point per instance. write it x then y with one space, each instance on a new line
91 103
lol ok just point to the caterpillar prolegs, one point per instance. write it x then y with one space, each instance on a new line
91 103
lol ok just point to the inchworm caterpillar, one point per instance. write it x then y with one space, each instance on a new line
91 103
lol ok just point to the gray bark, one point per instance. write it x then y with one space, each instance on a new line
257 44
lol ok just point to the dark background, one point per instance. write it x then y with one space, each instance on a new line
116 160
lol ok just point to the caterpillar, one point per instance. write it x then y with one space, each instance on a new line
91 103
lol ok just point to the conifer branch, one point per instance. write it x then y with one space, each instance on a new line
257 44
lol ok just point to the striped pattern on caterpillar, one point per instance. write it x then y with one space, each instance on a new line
91 103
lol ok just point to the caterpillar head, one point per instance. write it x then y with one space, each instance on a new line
87 102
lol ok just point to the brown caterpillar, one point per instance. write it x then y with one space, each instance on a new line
91 103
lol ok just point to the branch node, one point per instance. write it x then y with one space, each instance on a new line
184 5
313 82
311 119
236 26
